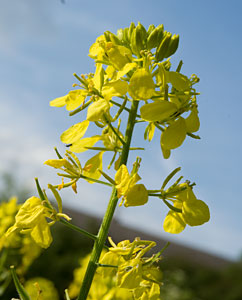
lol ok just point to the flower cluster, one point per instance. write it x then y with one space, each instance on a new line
133 271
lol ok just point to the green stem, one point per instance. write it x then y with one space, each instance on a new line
78 229
104 228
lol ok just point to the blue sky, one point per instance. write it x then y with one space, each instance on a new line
42 43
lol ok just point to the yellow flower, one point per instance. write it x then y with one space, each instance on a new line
194 212
31 218
133 194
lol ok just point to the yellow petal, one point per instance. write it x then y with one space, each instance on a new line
157 111
29 213
179 81
174 135
137 195
119 56
59 102
41 234
128 67
174 222
114 89
96 110
93 165
151 132
122 179
80 146
192 121
58 163
75 99
96 49
98 77
130 274
74 133
141 86
166 152
195 212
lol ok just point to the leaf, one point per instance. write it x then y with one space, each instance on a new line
80 146
157 111
174 135
141 86
75 132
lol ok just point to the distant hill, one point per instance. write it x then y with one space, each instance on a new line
120 232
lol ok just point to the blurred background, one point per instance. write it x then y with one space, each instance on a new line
42 43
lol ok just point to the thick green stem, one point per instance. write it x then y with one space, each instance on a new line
104 228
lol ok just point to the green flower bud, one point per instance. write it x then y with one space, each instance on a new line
140 39
152 40
161 33
133 42
114 39
163 47
130 30
150 29
173 45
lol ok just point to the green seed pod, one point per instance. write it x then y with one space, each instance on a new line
130 30
152 40
150 29
163 47
173 45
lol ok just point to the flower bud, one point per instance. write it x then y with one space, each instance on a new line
130 30
150 29
163 47
173 45
152 40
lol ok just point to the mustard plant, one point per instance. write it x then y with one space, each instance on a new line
133 83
